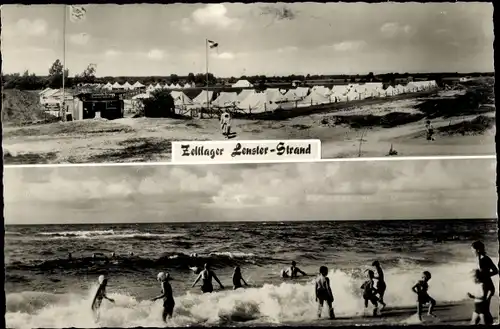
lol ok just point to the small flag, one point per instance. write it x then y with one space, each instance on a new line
212 44
77 13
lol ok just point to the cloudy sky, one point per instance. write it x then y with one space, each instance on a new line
299 191
141 40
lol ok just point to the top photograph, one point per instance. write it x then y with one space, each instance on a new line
106 83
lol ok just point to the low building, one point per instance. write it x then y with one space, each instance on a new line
91 105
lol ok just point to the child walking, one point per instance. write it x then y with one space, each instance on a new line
323 292
479 297
421 288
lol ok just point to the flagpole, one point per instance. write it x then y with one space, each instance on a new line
206 56
63 117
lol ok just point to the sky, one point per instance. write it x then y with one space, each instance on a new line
424 189
314 38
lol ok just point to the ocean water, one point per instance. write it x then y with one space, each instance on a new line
44 289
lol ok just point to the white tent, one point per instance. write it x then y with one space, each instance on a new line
116 85
180 98
226 99
242 84
322 90
150 88
338 93
201 99
256 103
314 98
167 86
353 95
187 85
244 94
127 86
273 95
157 86
390 91
137 85
142 96
177 86
302 91
108 86
43 92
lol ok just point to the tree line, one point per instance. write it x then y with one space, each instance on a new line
54 79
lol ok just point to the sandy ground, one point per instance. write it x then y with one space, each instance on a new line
148 139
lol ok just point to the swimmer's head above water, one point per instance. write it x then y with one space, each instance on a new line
426 275
206 266
102 280
294 263
237 269
323 270
376 263
478 247
370 274
163 276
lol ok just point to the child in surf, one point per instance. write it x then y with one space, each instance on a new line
166 295
238 278
421 288
381 286
100 295
479 295
370 292
323 292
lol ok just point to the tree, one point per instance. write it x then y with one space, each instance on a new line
56 74
370 77
174 78
191 77
88 74
160 105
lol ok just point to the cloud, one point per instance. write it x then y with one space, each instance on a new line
349 45
225 55
80 39
287 49
111 53
35 28
393 29
213 15
156 54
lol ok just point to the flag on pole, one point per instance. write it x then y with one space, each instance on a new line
77 13
212 44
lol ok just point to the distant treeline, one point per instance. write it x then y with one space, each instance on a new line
31 81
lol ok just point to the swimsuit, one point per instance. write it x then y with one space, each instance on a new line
206 286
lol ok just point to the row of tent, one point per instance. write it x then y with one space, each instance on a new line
152 87
251 101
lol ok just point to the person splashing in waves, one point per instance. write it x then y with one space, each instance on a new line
206 276
381 286
421 288
238 278
323 292
429 130
166 295
100 295
488 269
370 292
479 295
292 272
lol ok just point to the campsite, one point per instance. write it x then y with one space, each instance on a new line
351 120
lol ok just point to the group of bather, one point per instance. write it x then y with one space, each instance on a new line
373 289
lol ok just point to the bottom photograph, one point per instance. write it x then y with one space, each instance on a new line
318 244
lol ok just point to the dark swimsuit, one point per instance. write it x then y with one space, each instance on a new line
206 286
168 302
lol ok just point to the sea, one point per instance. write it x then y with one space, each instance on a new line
44 288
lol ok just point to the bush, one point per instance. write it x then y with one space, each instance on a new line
389 120
475 126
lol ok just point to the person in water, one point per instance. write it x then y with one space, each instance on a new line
430 130
421 288
370 292
292 272
323 292
381 286
166 295
238 278
100 295
479 295
206 276
488 269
